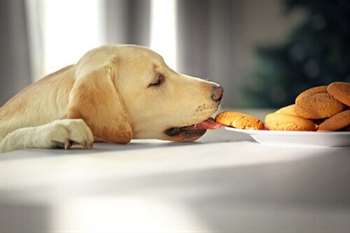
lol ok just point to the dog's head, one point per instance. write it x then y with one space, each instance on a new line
158 102
162 103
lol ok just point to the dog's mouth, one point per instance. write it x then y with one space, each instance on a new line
192 132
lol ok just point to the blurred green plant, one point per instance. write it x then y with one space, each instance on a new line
316 52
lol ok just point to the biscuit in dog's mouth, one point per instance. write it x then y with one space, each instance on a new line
193 130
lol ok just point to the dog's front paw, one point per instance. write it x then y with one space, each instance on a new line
68 132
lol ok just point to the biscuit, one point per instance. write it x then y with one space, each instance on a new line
239 120
316 103
340 91
289 110
278 121
336 122
312 91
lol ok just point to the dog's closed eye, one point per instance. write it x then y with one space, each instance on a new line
157 81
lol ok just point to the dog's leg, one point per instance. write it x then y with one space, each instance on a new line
59 133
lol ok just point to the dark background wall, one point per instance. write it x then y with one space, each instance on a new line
216 39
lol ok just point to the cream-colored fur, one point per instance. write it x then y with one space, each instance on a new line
106 96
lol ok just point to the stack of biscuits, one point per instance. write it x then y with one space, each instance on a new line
323 108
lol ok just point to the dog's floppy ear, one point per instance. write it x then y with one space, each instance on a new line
95 99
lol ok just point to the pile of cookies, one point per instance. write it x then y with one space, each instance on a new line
323 108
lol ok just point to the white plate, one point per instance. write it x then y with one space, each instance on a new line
302 138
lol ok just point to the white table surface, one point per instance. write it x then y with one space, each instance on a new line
223 183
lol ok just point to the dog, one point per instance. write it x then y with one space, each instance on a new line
114 93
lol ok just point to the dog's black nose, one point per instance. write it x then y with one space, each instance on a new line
217 93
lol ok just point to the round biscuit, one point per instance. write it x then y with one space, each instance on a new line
338 121
311 91
289 110
317 106
340 91
284 122
239 120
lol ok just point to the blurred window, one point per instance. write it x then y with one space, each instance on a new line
62 31
163 29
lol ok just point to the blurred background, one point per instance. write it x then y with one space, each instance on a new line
262 52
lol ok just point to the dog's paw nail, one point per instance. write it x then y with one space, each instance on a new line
67 144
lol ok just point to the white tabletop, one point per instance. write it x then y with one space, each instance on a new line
223 183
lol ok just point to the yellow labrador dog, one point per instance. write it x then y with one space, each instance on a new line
113 94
